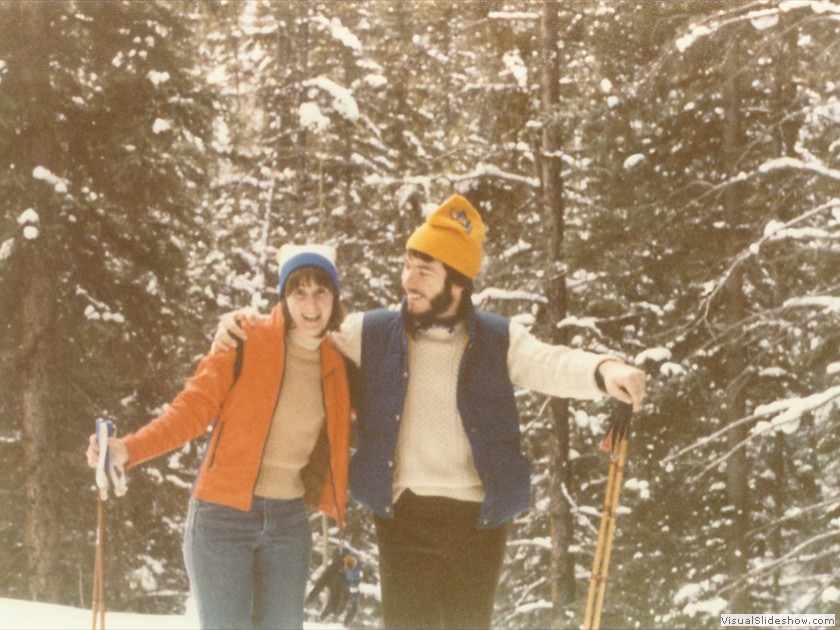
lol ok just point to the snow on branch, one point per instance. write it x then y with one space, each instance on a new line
754 248
339 32
343 101
487 170
760 19
777 563
792 409
828 302
579 322
513 15
794 163
492 293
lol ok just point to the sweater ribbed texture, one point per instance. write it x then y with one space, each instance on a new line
433 456
298 419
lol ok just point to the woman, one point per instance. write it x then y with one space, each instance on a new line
280 442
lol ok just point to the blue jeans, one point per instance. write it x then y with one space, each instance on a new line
248 569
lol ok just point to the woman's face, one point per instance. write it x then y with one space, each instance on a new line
310 306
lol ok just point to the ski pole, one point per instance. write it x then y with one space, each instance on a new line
616 442
108 475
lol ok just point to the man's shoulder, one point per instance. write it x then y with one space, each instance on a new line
494 321
381 316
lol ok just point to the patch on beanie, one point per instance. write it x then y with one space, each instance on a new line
460 216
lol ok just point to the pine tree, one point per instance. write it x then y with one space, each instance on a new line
102 134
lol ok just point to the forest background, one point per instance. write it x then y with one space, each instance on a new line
659 179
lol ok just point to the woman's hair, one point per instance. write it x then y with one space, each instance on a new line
304 276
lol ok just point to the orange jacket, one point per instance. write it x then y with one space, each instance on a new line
244 410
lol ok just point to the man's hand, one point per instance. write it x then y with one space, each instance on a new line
229 331
623 382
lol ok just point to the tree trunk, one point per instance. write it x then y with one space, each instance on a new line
736 355
302 72
551 179
43 520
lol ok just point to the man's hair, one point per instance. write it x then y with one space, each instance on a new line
305 276
453 276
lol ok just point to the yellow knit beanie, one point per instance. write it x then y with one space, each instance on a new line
452 234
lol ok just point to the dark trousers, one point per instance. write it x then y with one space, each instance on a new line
437 570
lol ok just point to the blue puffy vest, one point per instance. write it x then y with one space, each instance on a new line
485 400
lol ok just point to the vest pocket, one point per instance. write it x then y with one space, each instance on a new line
498 421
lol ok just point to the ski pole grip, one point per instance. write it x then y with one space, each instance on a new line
104 429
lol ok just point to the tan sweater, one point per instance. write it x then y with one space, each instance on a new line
297 422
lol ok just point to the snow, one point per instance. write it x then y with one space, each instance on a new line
712 607
339 32
686 41
513 62
580 322
28 216
23 615
521 246
45 175
792 409
160 125
512 15
30 232
789 162
488 170
652 354
503 294
375 80
671 369
764 19
311 117
633 161
828 302
157 78
772 372
343 101
824 6
638 485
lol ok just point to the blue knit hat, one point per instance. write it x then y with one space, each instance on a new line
291 257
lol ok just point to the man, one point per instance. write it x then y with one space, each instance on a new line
438 456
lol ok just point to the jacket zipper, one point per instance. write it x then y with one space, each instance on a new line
273 411
214 444
338 513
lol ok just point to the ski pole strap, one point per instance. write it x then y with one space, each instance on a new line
618 428
108 473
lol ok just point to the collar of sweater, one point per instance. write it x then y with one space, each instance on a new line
440 333
304 341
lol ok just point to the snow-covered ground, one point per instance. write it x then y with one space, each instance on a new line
22 615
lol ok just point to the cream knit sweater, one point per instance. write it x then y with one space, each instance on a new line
298 418
433 455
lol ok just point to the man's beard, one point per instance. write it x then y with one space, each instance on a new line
438 305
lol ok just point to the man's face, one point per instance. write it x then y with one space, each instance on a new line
426 290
